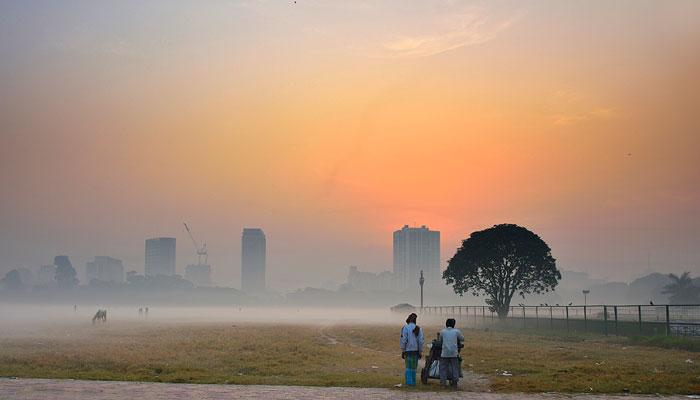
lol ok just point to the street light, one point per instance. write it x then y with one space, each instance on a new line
585 296
421 281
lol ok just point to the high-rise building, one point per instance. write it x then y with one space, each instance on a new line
106 269
253 260
415 250
160 256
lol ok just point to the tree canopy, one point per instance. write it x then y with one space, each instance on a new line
682 289
11 281
501 262
66 277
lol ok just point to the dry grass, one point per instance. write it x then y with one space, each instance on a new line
339 356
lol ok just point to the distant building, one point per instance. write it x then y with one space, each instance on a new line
198 274
46 275
106 269
371 281
416 249
253 249
160 256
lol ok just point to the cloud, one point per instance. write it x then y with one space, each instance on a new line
598 114
450 32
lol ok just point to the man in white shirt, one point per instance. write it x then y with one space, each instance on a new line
449 359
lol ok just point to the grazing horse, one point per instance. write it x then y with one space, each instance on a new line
101 316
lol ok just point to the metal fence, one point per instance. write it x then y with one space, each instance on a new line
628 320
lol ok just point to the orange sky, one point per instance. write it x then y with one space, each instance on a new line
329 125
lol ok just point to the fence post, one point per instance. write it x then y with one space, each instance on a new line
639 312
615 310
537 317
585 319
567 319
605 320
668 322
483 314
524 317
551 318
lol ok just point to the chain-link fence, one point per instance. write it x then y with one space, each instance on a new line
628 320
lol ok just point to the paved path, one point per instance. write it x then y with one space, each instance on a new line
53 389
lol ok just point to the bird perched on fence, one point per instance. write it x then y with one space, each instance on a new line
651 303
571 303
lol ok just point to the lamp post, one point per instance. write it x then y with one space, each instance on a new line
421 281
585 296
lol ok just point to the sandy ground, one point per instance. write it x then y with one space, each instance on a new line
44 389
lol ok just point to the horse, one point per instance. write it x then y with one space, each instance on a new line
101 316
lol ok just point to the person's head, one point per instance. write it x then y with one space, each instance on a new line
450 323
412 318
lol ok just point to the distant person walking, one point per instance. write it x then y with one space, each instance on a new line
449 359
411 347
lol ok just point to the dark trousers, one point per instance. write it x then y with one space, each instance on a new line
449 370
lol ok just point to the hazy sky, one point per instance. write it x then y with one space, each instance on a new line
329 124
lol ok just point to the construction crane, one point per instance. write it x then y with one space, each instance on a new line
201 251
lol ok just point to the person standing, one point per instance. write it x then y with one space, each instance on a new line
411 347
449 359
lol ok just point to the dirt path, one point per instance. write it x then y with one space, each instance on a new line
50 389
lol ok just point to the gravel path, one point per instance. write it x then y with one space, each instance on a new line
53 389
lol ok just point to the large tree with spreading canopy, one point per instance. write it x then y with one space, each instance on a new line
501 262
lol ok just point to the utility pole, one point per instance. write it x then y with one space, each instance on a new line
421 281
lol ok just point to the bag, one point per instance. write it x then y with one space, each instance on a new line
434 369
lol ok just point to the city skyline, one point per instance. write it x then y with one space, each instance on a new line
332 123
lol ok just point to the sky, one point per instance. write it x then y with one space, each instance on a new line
330 124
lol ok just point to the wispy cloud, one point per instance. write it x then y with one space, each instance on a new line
452 32
598 114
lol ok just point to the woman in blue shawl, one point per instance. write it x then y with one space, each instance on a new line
411 347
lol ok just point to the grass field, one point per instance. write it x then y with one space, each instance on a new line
340 355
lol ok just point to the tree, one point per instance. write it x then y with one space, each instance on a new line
682 289
65 273
12 281
500 262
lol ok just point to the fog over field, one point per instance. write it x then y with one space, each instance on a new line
25 319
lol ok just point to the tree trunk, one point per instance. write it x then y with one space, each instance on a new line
502 311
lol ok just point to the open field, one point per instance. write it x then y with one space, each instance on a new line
337 355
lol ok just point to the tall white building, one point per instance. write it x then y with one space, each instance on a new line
253 251
160 256
105 269
416 249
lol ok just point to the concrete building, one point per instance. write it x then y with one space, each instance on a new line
198 274
416 249
364 280
106 269
253 249
160 256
